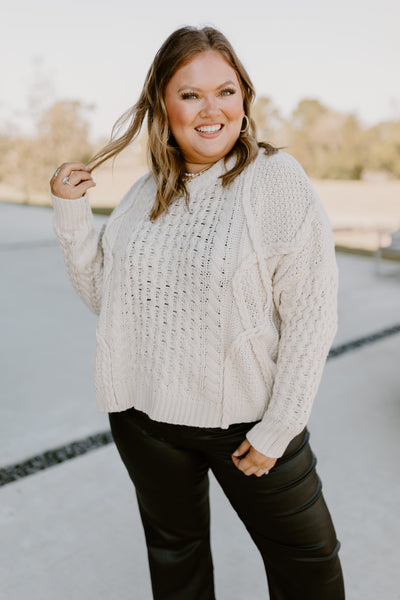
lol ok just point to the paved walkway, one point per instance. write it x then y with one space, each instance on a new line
72 531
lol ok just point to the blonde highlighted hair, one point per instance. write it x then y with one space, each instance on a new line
165 157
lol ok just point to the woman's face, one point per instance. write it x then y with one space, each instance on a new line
204 102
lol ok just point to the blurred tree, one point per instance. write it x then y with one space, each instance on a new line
305 132
382 144
62 131
328 144
347 160
307 113
271 127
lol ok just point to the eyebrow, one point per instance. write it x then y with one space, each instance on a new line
192 87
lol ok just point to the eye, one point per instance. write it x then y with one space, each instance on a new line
189 95
228 92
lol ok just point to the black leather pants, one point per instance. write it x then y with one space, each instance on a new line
284 511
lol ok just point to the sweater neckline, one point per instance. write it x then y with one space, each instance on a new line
210 176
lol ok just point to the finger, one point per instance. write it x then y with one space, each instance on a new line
72 192
243 448
78 177
272 463
244 464
237 462
251 461
82 188
251 471
261 472
247 470
85 185
261 460
67 168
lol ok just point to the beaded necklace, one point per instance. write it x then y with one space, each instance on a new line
190 176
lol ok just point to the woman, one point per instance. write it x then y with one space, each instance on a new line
215 282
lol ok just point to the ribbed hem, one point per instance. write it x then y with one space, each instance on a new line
166 408
72 215
270 439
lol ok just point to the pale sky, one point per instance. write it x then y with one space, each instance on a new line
344 53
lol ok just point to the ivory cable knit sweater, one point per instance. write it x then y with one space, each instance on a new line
220 314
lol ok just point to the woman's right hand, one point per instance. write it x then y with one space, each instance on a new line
78 181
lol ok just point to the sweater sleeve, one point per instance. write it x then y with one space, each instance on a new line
305 295
81 246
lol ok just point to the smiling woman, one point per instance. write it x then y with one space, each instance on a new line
187 54
216 315
204 101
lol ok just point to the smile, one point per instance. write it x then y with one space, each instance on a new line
209 128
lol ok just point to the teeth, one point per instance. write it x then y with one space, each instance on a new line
209 128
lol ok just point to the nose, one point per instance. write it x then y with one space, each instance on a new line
210 107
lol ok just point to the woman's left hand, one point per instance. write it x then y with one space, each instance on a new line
250 461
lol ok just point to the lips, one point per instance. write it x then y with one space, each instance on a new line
209 129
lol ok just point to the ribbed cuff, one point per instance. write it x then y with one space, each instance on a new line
72 215
269 439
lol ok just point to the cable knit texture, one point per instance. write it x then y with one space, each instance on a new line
220 314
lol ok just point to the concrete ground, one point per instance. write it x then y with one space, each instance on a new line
72 532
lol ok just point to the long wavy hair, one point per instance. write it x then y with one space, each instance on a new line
165 157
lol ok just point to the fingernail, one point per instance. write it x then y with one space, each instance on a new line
236 453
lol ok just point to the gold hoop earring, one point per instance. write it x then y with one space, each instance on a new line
247 124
